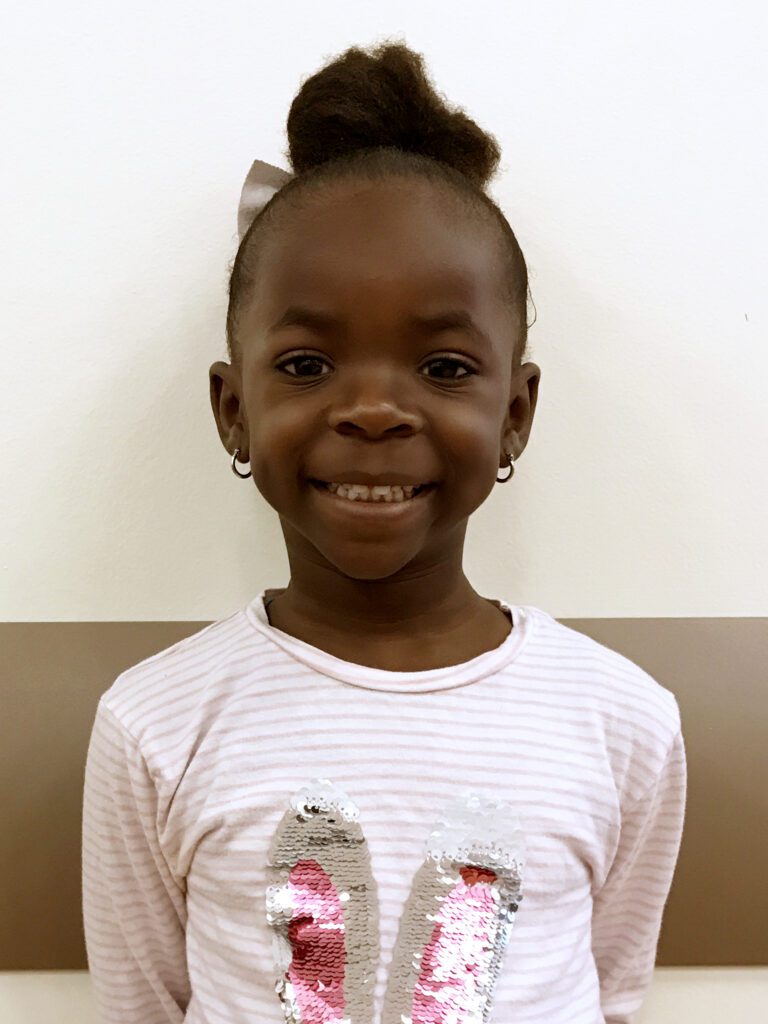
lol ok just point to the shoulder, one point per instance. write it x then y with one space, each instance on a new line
608 672
178 681
641 715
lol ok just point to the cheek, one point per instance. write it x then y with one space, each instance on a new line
471 442
279 438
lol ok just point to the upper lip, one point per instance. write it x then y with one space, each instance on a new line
373 479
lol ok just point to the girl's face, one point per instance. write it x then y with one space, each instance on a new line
344 378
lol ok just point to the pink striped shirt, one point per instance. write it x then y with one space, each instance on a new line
196 755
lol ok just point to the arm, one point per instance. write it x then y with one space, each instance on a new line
134 911
627 910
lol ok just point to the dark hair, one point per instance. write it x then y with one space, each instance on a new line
371 115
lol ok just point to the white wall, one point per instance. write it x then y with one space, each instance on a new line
634 169
634 166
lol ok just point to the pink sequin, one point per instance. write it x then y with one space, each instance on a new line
458 952
316 934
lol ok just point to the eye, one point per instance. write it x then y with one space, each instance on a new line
444 360
302 360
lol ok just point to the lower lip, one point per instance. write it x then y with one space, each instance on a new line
373 509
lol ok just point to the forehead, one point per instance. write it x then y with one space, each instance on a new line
369 248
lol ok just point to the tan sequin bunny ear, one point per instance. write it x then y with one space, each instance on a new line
261 183
323 908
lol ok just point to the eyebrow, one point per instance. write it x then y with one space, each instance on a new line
302 316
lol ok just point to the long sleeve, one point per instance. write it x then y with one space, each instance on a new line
627 910
134 910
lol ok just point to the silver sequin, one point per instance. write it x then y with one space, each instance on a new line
457 920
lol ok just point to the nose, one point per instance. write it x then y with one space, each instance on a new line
376 406
375 420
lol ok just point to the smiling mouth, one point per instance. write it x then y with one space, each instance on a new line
376 494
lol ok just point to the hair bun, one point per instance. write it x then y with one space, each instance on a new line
383 97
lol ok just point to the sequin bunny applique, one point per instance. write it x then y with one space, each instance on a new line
453 932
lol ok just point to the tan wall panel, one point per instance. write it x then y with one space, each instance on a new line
717 913
53 674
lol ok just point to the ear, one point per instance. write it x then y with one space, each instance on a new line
323 906
458 917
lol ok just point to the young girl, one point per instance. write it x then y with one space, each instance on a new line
374 795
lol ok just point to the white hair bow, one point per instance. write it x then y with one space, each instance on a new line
261 183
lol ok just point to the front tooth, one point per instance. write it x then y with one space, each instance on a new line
353 491
381 492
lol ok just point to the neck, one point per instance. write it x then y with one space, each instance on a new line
406 605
